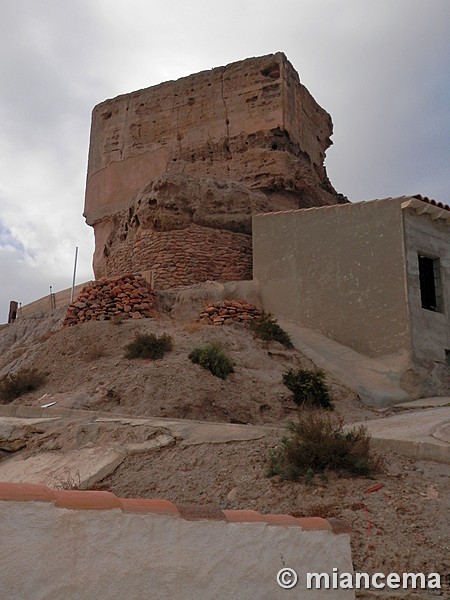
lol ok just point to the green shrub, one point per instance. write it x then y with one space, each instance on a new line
214 358
15 384
308 387
148 346
317 444
267 328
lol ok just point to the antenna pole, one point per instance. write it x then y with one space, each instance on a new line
74 274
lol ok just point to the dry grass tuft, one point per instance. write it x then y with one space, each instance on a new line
22 381
317 444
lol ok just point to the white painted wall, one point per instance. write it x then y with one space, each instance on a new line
58 554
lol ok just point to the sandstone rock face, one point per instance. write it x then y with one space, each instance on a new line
176 170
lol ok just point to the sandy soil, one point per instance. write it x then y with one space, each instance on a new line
89 358
401 527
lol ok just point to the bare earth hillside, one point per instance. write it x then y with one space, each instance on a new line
89 359
400 526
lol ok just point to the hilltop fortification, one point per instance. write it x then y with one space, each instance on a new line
176 170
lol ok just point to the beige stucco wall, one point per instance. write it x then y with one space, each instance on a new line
430 330
55 553
339 270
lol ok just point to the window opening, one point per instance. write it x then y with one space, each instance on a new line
430 283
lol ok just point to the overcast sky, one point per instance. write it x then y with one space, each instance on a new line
381 68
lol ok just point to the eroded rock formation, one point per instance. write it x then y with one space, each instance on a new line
176 170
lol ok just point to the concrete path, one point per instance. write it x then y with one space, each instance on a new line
198 432
91 462
14 431
420 434
426 402
376 383
77 468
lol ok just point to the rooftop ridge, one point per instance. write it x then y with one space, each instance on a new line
102 500
431 201
405 198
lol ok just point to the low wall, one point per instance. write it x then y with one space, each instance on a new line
80 545
48 303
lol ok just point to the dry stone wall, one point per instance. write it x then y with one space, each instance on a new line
228 311
182 257
127 297
176 171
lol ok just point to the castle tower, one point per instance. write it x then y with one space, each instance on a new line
177 170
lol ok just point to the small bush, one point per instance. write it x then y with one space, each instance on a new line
308 387
267 328
148 346
214 358
317 444
15 384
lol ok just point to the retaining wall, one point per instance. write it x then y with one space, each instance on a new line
83 545
182 257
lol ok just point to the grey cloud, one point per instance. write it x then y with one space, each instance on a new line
380 68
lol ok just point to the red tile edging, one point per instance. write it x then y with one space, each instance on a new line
154 506
86 500
243 516
23 492
101 500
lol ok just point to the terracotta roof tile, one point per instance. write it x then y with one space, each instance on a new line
432 202
141 505
283 520
26 492
339 526
243 516
86 500
358 203
101 500
310 523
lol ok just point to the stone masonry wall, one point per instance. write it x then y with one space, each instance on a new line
183 257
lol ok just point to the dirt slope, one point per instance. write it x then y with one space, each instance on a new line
402 527
89 359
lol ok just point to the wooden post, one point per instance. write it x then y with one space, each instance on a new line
52 299
13 305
